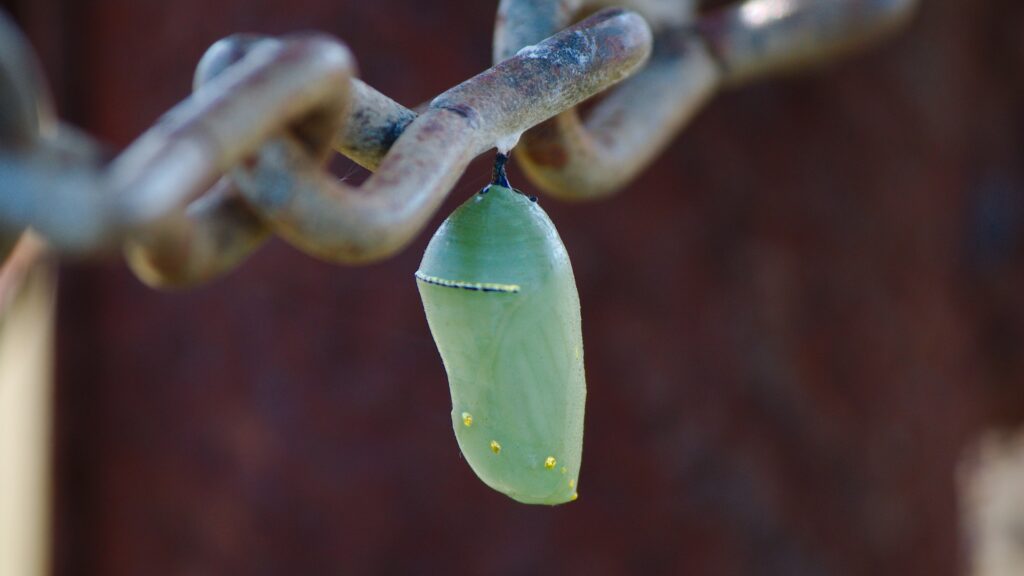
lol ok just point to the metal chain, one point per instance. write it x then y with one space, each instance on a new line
243 156
695 54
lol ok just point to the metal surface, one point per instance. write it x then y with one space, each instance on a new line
335 222
293 196
80 207
694 56
277 104
756 38
25 103
26 108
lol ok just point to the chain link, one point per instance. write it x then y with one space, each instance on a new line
243 156
695 54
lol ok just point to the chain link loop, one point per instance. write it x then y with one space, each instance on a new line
695 55
243 156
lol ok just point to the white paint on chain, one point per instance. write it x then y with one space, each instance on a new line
545 51
534 51
584 56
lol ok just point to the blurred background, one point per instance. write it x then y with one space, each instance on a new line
797 324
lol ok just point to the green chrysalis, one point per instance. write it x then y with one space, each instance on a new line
501 302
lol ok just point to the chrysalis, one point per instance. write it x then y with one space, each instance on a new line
502 306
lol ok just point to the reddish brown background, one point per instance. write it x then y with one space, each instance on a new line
796 321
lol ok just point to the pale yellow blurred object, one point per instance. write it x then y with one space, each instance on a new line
992 505
26 390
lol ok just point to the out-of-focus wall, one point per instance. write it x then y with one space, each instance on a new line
795 323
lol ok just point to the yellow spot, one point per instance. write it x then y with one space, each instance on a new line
576 351
564 470
467 419
572 483
574 497
495 447
549 462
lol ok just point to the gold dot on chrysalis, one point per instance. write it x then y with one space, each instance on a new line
467 419
574 497
495 447
550 462
564 470
572 483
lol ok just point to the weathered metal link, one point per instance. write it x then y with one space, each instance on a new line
220 229
26 108
574 158
757 38
329 219
287 190
86 208
694 55
35 185
243 156
211 237
373 125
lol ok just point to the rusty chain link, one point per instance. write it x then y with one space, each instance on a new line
243 157
695 54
